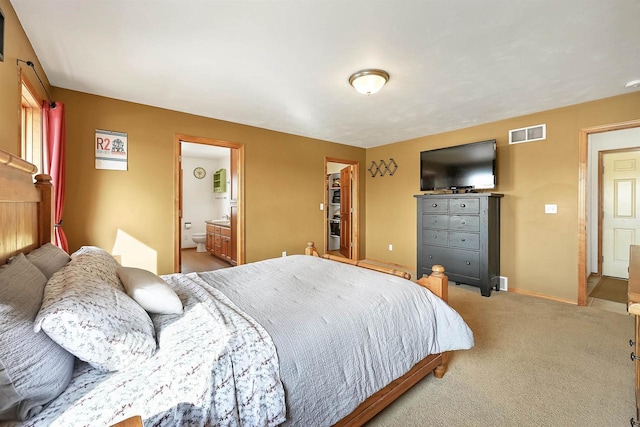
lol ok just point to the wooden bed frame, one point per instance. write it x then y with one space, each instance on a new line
26 218
26 208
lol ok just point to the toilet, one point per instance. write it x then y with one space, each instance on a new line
200 239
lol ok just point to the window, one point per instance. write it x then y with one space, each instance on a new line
31 125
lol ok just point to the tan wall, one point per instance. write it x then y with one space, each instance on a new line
16 45
539 253
284 182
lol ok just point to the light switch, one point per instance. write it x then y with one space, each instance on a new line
321 206
551 209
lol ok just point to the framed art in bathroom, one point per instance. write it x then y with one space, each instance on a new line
1 36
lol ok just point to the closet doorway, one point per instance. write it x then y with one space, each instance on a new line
341 228
236 202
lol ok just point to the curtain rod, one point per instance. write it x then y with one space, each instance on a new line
52 104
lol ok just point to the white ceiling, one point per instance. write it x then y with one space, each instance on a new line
285 65
203 151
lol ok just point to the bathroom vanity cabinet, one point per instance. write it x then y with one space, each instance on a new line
219 242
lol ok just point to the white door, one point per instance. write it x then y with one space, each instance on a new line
620 210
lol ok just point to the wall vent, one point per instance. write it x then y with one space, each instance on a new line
532 133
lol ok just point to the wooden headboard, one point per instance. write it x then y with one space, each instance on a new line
26 207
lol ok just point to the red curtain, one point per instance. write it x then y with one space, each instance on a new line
53 132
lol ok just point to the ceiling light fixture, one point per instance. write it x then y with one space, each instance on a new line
369 81
633 83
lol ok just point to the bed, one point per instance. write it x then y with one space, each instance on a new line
304 365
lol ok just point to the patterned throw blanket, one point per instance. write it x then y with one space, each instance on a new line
215 366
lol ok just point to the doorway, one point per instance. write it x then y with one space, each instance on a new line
235 193
588 196
619 228
341 225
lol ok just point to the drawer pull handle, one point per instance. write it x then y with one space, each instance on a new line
469 263
430 257
634 357
435 220
435 237
435 205
463 222
632 343
463 240
462 205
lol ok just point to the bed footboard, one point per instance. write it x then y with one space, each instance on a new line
437 282
311 250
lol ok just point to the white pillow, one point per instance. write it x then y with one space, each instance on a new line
150 291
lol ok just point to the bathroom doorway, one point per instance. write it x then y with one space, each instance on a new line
209 214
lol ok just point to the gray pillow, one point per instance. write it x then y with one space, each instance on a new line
33 369
49 259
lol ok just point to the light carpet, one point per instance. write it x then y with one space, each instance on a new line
536 362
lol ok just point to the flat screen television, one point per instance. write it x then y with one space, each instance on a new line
462 167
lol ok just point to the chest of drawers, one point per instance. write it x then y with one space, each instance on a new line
462 233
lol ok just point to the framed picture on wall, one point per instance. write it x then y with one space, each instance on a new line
1 36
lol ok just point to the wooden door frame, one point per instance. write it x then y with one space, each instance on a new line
601 154
583 156
177 192
355 204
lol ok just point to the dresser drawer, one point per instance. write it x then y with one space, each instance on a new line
457 262
435 221
463 263
470 206
435 237
432 255
435 205
464 223
464 240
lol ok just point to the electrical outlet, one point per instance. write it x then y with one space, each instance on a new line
390 247
284 253
504 283
551 209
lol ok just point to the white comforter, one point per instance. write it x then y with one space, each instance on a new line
214 366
